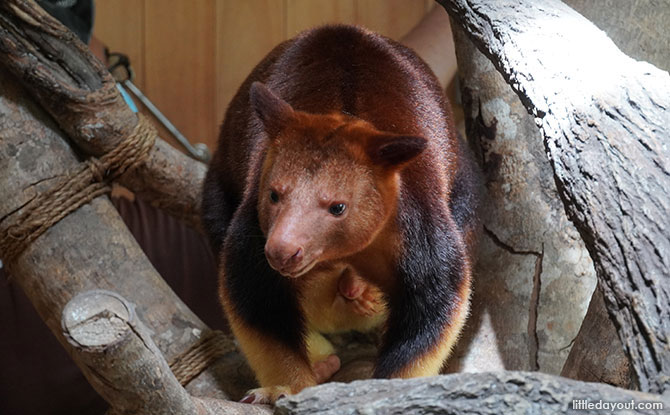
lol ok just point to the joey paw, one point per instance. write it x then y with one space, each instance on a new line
368 303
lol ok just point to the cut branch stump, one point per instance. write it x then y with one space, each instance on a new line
124 364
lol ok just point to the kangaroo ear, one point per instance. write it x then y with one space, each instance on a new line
273 111
389 150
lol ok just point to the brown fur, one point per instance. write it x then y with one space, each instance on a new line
342 117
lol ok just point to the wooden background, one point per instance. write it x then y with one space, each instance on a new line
190 56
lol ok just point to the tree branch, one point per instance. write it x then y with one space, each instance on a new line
81 95
604 118
464 393
91 248
124 365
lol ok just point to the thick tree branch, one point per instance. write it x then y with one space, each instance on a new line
89 249
604 118
464 393
125 366
81 95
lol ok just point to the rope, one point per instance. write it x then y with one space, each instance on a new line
90 180
190 363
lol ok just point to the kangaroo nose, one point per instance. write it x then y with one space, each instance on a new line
283 256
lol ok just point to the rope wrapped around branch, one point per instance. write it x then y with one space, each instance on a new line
91 179
203 353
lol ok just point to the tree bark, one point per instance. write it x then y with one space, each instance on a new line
533 275
604 119
125 365
89 249
491 393
81 95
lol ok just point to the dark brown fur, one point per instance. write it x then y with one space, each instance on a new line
385 117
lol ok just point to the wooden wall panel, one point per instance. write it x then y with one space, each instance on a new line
305 14
393 18
180 64
245 32
119 24
190 57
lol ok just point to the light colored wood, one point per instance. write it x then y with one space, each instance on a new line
392 18
180 64
119 24
304 14
245 33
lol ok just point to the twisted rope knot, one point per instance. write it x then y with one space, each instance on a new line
98 170
88 181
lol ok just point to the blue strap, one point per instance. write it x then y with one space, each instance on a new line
127 97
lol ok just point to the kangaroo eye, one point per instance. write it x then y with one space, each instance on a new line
337 209
274 197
